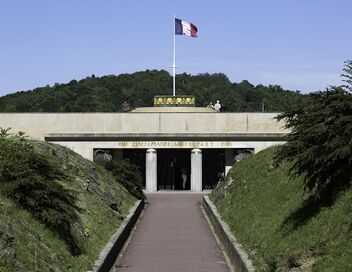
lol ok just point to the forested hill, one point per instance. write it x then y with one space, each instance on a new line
107 93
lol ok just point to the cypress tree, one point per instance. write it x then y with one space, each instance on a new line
320 142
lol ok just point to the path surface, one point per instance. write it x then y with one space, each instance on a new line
173 235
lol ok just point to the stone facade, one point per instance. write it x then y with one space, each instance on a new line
196 129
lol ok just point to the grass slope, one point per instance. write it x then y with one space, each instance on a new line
27 245
260 204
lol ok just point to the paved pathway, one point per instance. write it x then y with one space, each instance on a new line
173 235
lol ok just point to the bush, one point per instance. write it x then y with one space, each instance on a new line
128 175
50 203
18 159
30 180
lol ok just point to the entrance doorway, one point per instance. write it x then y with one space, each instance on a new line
213 167
137 157
174 168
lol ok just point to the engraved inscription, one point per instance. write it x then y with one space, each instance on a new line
174 144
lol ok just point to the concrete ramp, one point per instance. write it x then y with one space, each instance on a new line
173 235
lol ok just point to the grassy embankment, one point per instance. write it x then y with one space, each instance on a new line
26 241
280 232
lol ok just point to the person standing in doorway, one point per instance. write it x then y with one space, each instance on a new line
184 177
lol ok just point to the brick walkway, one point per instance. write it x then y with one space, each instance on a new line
173 235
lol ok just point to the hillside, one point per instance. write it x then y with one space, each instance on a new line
278 229
57 210
108 93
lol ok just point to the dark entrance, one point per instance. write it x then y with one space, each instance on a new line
213 161
137 157
172 163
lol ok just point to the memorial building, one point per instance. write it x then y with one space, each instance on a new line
176 145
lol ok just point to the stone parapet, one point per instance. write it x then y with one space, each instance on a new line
112 249
237 257
39 125
174 109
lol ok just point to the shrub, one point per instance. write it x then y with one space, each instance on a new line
30 180
50 203
128 175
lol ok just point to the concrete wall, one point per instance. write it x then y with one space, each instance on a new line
38 125
186 124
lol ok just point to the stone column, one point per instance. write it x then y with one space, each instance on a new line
196 170
151 171
229 159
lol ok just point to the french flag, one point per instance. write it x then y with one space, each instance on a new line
185 28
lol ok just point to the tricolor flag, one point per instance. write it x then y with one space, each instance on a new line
185 28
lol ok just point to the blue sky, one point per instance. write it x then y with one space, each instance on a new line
298 44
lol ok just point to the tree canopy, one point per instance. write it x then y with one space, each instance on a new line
320 144
108 93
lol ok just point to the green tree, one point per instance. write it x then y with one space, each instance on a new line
108 93
320 142
348 75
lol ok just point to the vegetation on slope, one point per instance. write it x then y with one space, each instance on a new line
57 210
128 175
267 212
108 93
291 206
320 144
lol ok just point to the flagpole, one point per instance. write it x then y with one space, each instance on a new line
174 62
